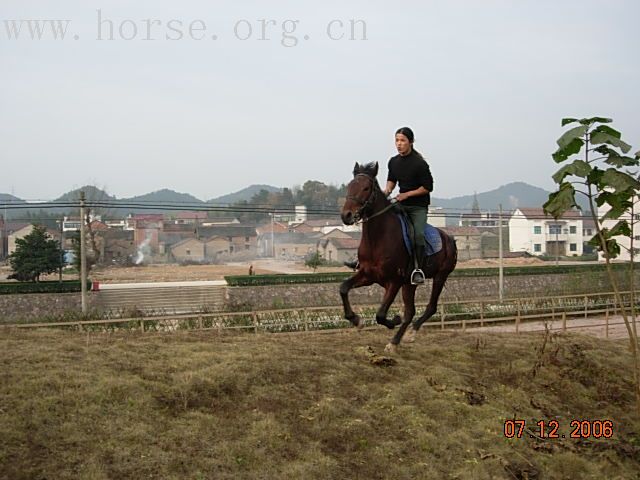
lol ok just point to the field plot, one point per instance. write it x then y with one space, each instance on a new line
312 405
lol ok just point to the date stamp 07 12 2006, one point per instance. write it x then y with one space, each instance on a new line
517 428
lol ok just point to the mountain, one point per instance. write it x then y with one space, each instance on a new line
164 196
90 193
512 195
244 194
7 198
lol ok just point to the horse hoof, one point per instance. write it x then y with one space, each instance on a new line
357 322
391 348
397 320
410 337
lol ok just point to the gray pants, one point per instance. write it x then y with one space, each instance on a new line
418 217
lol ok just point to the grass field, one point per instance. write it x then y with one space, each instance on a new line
310 406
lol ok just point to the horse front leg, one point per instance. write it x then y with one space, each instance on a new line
390 293
358 280
408 298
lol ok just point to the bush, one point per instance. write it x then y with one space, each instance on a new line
67 286
335 277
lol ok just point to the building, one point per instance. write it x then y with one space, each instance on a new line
18 231
190 218
189 250
116 246
623 241
468 240
534 232
339 249
436 217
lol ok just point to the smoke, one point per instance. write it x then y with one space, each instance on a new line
143 249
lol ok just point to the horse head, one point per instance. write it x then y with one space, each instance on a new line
361 192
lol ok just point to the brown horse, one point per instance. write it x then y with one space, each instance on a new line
384 258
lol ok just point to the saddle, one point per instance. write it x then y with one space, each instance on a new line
431 234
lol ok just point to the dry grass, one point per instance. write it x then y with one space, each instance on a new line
308 406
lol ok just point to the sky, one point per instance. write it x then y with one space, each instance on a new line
285 93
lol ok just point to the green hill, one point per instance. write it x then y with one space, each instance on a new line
244 194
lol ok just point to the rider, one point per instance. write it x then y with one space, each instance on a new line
412 172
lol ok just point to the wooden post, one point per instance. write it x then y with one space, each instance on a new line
606 323
553 310
564 321
518 317
200 322
254 319
142 325
464 325
585 306
442 315
481 314
305 320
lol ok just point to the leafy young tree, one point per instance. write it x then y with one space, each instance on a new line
602 175
36 254
314 260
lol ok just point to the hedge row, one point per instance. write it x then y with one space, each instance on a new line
334 277
67 286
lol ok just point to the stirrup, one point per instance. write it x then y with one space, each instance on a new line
417 277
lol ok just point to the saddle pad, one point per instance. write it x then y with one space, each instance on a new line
431 236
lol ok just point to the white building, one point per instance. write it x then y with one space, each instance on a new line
624 242
530 230
436 217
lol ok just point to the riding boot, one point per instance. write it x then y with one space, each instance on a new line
417 276
353 264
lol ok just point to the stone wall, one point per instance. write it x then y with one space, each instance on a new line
38 306
456 289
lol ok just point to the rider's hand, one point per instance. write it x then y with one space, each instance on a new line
402 196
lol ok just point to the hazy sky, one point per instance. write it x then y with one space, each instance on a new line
483 84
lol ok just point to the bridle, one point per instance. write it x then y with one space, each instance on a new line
359 215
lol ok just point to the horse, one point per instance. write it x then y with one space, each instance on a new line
384 259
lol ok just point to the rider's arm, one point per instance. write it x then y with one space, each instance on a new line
412 193
389 188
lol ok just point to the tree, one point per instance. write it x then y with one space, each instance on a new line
602 175
91 258
314 260
36 254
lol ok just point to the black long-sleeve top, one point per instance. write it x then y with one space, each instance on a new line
411 172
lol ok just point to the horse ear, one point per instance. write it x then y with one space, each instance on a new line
356 169
375 170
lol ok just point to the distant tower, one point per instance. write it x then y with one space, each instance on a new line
301 214
475 209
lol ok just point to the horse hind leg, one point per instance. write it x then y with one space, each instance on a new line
432 307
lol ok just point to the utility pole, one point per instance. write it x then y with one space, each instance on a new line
83 257
500 264
273 245
61 249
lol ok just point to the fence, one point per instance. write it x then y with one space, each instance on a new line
460 315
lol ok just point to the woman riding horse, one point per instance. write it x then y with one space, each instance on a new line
412 172
384 258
